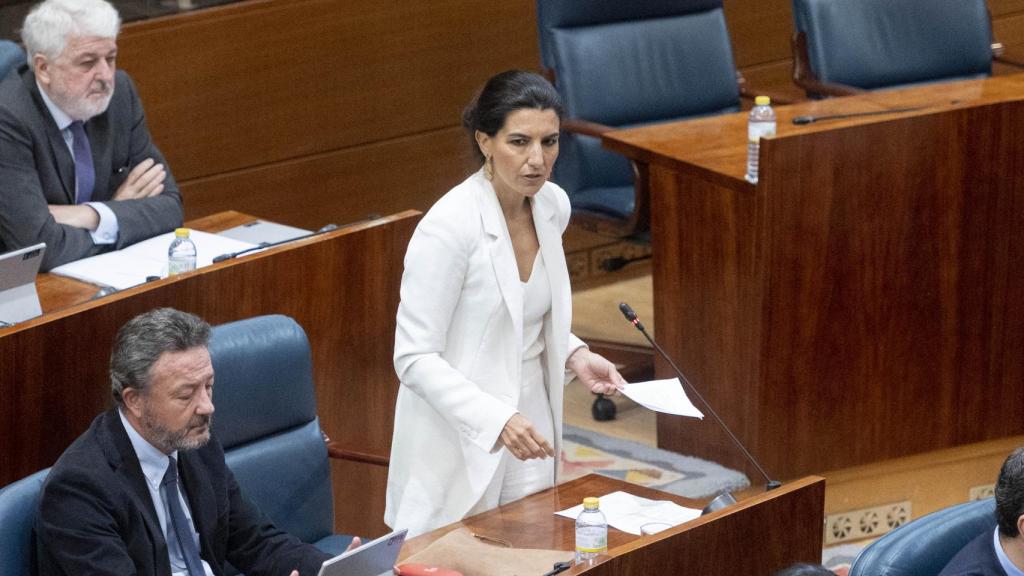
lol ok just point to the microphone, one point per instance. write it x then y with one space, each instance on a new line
725 498
618 262
800 120
230 255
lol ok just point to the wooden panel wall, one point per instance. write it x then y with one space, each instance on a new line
310 111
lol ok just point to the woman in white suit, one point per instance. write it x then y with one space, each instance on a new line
482 346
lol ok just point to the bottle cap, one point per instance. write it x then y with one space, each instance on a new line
762 100
590 503
181 233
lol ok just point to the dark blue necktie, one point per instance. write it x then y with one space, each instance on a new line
179 523
85 174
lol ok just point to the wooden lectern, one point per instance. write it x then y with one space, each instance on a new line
863 301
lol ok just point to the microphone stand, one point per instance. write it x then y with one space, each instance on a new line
725 498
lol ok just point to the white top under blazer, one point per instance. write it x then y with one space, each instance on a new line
459 351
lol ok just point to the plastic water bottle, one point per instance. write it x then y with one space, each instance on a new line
591 532
761 124
181 256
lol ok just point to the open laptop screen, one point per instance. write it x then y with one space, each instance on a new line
376 558
18 298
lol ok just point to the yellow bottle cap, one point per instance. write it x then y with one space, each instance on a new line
762 100
181 233
590 503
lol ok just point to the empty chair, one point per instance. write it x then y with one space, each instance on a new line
11 56
926 545
266 420
847 46
623 64
17 515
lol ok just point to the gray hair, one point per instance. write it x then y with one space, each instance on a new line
50 23
141 342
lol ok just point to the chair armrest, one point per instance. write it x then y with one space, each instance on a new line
805 78
999 55
585 127
747 94
339 453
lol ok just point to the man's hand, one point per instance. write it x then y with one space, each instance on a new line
77 215
355 543
523 441
145 180
596 373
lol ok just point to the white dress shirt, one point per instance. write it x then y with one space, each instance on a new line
154 465
106 231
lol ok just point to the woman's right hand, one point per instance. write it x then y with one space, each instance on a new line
523 441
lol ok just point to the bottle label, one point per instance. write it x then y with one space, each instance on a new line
592 539
758 130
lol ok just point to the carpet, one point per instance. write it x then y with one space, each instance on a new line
585 452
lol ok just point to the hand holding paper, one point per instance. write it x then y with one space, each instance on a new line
662 396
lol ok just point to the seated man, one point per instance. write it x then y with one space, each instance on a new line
145 489
78 169
999 552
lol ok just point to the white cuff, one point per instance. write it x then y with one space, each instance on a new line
107 230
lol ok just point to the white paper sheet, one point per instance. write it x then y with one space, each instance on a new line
662 396
130 266
628 512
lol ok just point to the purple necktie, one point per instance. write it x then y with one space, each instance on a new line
85 174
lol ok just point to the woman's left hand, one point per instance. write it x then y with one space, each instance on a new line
596 372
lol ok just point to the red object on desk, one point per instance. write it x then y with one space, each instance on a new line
425 570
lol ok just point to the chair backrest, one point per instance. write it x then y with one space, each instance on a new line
11 56
926 545
17 515
631 63
886 43
265 417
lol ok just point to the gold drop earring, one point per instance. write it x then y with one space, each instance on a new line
489 167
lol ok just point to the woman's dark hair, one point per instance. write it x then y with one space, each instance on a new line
504 94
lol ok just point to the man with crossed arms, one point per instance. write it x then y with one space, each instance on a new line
78 168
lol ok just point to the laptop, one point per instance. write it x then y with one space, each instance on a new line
18 298
376 558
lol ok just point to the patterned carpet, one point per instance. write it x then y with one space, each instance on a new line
587 452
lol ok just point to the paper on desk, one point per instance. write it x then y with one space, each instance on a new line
662 396
130 266
628 512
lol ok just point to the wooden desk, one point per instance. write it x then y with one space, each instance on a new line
759 535
342 287
864 300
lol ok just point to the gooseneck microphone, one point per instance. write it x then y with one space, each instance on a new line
230 255
635 321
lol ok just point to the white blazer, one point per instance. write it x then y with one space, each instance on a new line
459 347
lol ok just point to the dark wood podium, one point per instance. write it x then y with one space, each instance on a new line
760 534
863 301
341 287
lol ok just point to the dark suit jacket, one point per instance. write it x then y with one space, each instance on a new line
37 169
96 515
978 558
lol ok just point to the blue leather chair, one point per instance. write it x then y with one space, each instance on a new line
17 515
623 64
848 46
11 56
266 420
926 545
